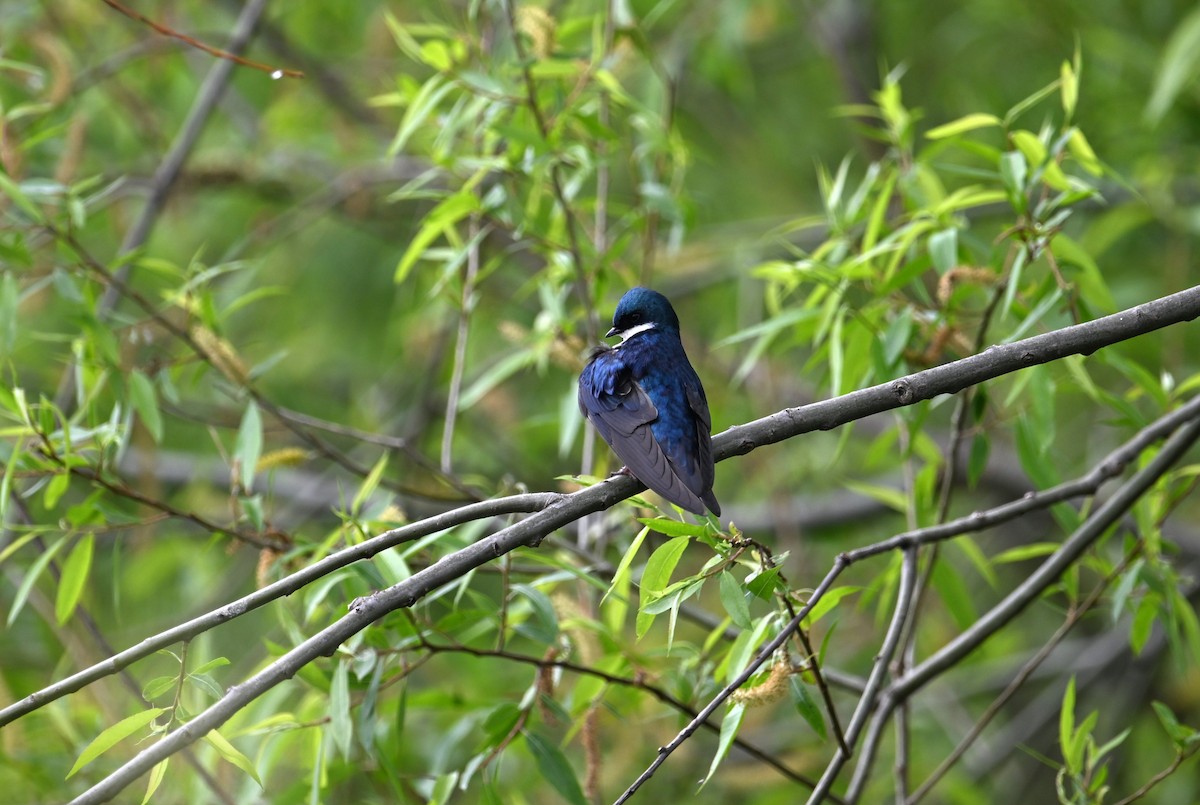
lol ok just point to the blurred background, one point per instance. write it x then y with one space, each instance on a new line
380 248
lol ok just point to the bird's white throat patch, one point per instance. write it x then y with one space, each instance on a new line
632 331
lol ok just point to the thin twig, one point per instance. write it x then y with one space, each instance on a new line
168 170
870 696
556 183
1073 617
632 682
275 72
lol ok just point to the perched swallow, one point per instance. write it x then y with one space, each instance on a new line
645 400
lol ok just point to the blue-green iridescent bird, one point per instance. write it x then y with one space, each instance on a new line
645 399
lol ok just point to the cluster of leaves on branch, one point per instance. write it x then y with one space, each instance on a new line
162 458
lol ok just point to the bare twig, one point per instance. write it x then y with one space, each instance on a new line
276 72
632 682
168 170
1073 617
556 183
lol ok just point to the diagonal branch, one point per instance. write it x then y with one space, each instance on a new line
561 510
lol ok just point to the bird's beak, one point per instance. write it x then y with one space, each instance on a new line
611 333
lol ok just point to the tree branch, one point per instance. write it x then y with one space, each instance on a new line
564 509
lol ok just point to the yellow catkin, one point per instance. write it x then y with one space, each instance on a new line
770 690
221 354
538 24
959 275
285 457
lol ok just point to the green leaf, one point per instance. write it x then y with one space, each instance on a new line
806 706
248 448
370 484
75 578
10 298
441 218
543 627
428 97
1180 734
894 499
943 249
948 581
553 765
145 402
215 662
1023 552
977 461
674 528
56 489
1178 66
341 725
9 188
622 571
230 752
1066 717
656 576
827 603
1069 87
764 584
964 124
730 724
31 576
156 777
733 598
113 736
1144 618
496 374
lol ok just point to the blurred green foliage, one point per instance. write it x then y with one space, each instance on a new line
369 294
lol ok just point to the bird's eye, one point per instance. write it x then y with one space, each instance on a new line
635 317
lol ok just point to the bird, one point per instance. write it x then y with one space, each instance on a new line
646 401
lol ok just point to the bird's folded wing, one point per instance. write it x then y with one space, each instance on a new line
623 420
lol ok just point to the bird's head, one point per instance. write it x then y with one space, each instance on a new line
642 309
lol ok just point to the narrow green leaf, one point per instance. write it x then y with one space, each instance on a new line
9 188
496 374
964 124
56 489
31 576
230 752
1178 733
730 724
806 706
977 461
370 484
75 578
1144 618
145 402
114 735
1066 717
1069 87
1023 552
10 297
216 662
441 218
340 723
1179 64
622 571
156 777
733 598
553 765
674 528
943 249
827 603
249 444
656 576
953 591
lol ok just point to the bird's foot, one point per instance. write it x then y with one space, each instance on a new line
622 471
